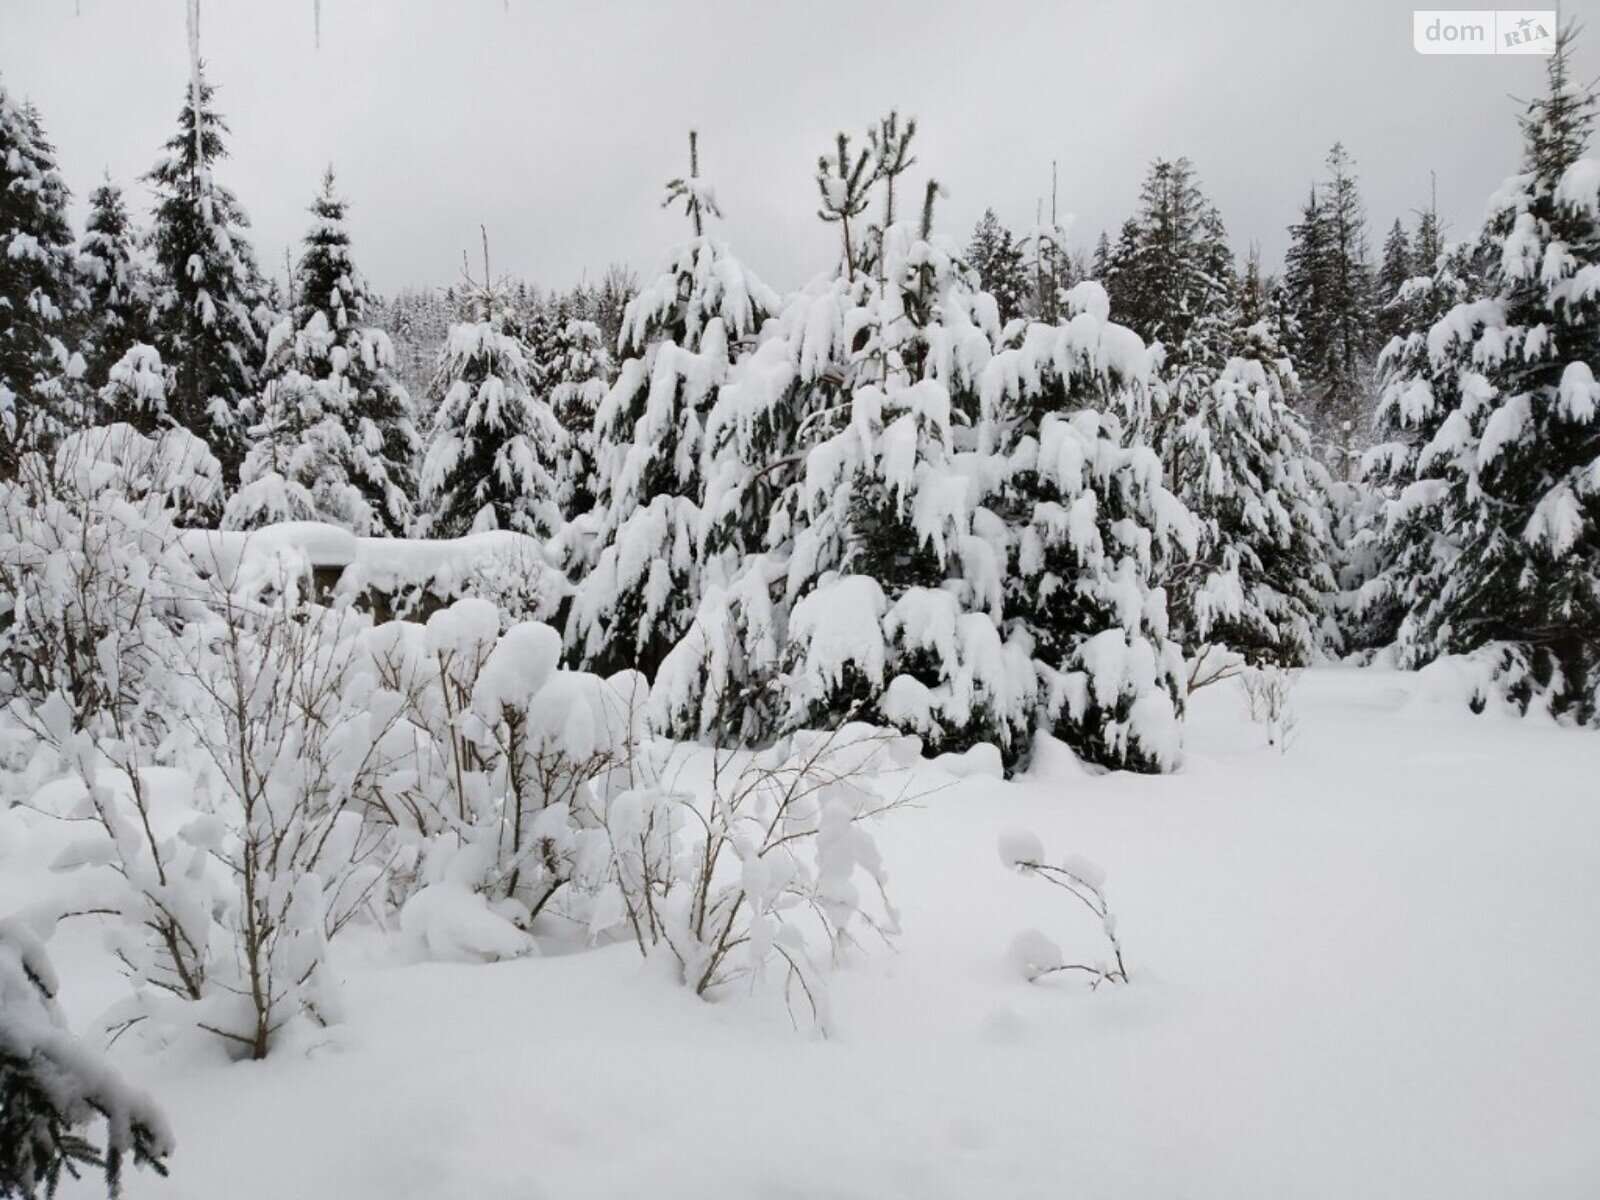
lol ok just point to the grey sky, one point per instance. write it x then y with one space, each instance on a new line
557 123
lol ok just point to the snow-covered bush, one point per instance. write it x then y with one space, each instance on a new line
498 769
1269 699
53 1088
92 579
1035 953
774 870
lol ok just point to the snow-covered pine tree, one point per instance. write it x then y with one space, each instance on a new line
895 580
495 445
206 289
1397 266
1052 271
337 438
1239 459
1089 518
577 376
894 571
851 571
1400 552
1100 260
1521 452
997 258
118 311
680 338
40 292
1329 285
1232 449
1172 260
55 1087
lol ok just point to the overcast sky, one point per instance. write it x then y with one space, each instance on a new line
557 122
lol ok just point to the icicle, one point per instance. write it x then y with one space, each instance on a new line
316 21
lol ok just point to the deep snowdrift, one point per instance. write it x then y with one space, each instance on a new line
1363 968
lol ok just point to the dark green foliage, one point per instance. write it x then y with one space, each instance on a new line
207 288
40 296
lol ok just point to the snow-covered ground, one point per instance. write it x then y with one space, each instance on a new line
1364 968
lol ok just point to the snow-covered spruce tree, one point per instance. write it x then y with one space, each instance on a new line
1401 552
851 569
1328 280
1232 449
1172 260
722 680
1089 517
1521 472
495 445
336 440
206 289
1239 459
118 310
576 375
998 260
55 1088
681 336
1395 268
40 292
894 580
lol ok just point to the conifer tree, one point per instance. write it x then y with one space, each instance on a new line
1518 458
1397 267
206 289
851 568
40 293
1401 549
115 284
1089 518
495 445
1100 263
1330 291
681 335
54 1088
337 439
576 375
997 258
1239 459
1172 260
894 550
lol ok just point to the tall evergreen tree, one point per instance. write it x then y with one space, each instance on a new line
576 375
1519 457
40 293
1402 548
495 445
1330 290
1088 519
207 289
338 438
1239 459
1397 267
1100 262
997 258
118 292
1172 260
680 337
